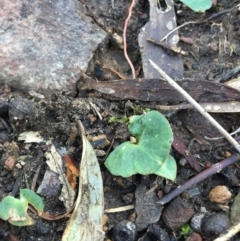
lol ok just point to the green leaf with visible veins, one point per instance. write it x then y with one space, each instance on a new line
151 152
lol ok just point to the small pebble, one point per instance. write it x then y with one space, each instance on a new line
215 224
98 70
118 40
196 222
125 231
183 162
195 66
220 194
10 163
193 192
128 198
100 141
100 153
177 213
154 232
194 237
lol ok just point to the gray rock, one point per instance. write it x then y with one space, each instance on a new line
44 45
196 222
177 213
125 231
214 224
148 211
23 114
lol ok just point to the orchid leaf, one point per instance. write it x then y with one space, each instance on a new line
150 153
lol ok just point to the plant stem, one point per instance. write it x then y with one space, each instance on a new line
197 106
216 168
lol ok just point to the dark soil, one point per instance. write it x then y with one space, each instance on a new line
215 51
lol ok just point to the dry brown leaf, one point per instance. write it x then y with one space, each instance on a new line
86 221
161 22
71 171
54 161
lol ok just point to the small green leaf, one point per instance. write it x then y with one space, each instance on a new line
7 205
151 152
185 230
32 198
15 210
198 5
124 119
112 119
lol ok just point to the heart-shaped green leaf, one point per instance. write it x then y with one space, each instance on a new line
198 5
151 152
15 210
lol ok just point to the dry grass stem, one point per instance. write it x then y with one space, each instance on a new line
119 209
230 233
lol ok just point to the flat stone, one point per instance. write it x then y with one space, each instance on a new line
44 45
215 224
148 211
177 213
194 237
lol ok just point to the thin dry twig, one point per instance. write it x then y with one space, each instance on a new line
115 72
95 18
221 137
197 106
5 124
215 15
125 39
34 181
119 209
96 109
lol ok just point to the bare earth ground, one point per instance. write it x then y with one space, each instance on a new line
215 50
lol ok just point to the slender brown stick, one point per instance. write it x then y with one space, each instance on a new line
216 168
125 39
34 181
